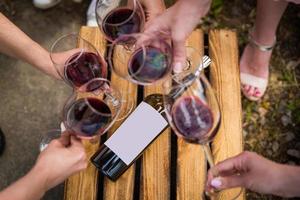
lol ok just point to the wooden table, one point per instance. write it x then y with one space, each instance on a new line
171 168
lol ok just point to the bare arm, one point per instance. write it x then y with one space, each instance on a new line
15 43
31 186
256 173
153 8
289 181
53 166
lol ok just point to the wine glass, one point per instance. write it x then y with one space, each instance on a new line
193 111
144 64
92 109
118 17
77 65
88 113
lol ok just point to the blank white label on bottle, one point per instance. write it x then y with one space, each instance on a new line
136 132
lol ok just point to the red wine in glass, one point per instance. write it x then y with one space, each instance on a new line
88 116
83 67
148 65
121 21
192 118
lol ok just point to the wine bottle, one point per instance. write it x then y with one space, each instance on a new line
129 141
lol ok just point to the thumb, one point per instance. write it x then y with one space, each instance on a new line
227 182
179 55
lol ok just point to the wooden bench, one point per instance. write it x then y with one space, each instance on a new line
171 168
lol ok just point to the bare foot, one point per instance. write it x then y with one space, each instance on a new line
255 62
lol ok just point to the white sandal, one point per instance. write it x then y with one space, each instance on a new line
256 81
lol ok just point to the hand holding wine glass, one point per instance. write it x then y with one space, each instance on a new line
58 161
178 22
193 111
77 65
116 18
255 173
88 113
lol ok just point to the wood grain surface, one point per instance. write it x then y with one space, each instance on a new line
84 185
224 77
191 162
122 189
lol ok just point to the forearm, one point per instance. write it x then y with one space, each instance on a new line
29 187
196 7
15 43
289 181
154 5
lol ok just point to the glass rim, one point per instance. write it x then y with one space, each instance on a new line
136 4
83 89
74 98
216 117
135 50
75 35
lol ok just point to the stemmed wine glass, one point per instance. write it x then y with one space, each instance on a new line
118 17
89 112
77 65
144 64
193 111
93 109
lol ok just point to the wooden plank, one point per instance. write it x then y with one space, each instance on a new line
156 161
224 77
191 162
83 185
123 188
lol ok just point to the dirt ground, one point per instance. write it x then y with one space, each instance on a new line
271 126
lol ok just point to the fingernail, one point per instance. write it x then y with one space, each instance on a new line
216 182
177 67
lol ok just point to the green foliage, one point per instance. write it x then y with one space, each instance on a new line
294 107
288 76
216 7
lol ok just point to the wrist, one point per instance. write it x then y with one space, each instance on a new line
197 7
40 175
42 60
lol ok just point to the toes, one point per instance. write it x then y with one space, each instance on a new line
257 93
246 87
251 91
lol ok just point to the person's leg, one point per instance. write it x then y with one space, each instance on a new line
2 142
254 61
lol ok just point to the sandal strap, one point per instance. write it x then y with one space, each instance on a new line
260 46
254 81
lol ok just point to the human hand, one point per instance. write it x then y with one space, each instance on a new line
251 171
153 8
178 22
62 158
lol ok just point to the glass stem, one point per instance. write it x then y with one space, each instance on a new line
208 154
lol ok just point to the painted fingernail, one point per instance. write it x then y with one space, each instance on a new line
216 182
177 67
